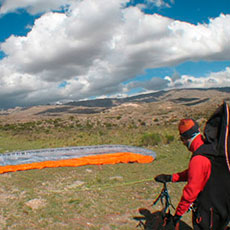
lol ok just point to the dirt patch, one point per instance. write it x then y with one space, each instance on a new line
116 219
74 185
36 203
5 196
2 222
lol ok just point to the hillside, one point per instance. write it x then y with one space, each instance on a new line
87 197
162 106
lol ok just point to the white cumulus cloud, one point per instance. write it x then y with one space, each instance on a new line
94 46
33 6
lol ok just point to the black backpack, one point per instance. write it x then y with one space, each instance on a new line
216 195
216 133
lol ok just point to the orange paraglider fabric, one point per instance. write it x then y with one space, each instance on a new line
111 158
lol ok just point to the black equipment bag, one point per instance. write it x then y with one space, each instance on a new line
214 200
216 133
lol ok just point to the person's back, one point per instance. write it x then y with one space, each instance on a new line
208 174
213 203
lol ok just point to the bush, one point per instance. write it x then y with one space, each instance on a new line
169 138
150 139
143 123
118 117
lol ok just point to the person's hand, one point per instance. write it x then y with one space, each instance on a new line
163 178
176 221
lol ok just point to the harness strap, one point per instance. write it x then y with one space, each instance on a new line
198 220
177 227
165 220
211 219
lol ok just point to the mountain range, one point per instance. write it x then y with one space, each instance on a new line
157 105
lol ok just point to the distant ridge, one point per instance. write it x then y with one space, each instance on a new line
141 98
110 102
162 107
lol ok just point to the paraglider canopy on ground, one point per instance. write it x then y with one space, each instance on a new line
74 156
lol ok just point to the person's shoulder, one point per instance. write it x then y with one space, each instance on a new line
200 159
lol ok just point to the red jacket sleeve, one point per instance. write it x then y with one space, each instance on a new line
198 174
181 176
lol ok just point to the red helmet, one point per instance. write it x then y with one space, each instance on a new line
187 128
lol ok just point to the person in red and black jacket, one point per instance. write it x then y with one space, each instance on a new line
197 175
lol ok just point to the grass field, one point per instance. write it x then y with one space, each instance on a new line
89 197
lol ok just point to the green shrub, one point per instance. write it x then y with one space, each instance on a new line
169 138
71 118
150 139
108 125
118 117
143 123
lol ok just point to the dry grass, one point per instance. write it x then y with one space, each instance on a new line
92 197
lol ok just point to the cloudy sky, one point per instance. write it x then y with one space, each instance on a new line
61 50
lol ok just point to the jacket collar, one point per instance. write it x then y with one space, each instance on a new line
196 143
